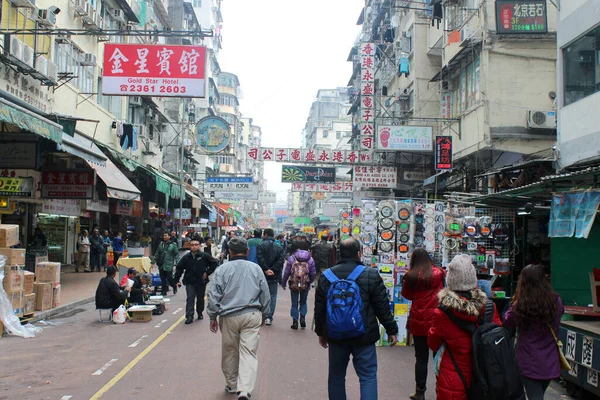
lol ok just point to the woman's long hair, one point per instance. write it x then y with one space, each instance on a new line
419 275
534 300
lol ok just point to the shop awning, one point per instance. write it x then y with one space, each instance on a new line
165 184
83 148
117 184
29 121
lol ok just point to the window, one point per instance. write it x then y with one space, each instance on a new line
338 135
464 86
582 67
325 134
197 3
111 103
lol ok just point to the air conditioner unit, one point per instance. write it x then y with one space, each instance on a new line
52 72
539 119
22 3
141 130
46 18
79 6
16 48
88 60
135 100
118 15
28 55
41 65
468 36
149 148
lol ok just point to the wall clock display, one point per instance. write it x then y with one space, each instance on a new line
386 247
386 223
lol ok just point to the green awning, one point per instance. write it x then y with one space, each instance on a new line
302 221
162 185
29 121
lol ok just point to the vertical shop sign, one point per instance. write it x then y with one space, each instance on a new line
443 152
367 99
445 110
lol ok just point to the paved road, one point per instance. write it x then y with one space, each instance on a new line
76 357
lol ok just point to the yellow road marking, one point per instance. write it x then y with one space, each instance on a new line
133 362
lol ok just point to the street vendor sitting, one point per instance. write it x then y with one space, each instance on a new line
131 273
108 293
139 290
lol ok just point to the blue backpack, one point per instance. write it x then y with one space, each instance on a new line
344 306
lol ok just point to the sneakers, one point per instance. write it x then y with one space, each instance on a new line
243 396
302 322
229 389
269 321
189 321
294 324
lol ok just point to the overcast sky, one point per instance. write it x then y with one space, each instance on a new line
283 52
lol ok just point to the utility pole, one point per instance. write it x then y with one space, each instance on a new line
181 174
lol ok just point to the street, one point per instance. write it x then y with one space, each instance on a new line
76 357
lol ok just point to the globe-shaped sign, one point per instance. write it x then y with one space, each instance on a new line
212 134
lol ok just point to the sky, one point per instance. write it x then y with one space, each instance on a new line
283 52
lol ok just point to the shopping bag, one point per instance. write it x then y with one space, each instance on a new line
120 315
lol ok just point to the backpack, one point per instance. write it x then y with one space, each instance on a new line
300 277
496 374
344 305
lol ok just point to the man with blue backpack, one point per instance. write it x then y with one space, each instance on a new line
349 300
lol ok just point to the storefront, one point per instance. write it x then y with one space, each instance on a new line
59 221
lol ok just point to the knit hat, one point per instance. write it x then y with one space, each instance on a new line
238 244
461 275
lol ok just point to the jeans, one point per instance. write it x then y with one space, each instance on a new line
166 278
194 292
301 296
422 358
116 255
364 359
535 388
273 285
104 260
95 261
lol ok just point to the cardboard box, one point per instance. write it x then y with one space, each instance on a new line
1 328
28 303
141 313
56 297
13 278
28 280
14 256
31 260
9 235
43 295
48 272
16 299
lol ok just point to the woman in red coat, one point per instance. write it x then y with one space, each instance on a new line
467 302
421 284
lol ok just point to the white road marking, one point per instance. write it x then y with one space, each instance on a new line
138 341
108 364
177 311
160 323
66 397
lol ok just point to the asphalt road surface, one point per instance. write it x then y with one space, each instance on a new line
76 357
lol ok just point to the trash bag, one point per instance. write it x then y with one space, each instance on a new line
11 322
120 315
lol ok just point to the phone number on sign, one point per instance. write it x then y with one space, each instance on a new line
152 89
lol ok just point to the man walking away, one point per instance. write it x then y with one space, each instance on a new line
197 266
359 340
118 248
96 250
166 257
239 296
225 244
323 255
253 245
83 249
270 258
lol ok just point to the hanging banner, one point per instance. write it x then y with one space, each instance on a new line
153 70
443 152
313 156
404 137
337 187
295 173
374 177
232 188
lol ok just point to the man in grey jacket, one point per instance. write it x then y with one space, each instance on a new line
239 296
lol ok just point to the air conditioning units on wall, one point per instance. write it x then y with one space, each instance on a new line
46 18
88 59
41 65
135 100
28 55
16 48
540 119
118 15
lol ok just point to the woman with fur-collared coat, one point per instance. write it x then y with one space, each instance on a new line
467 302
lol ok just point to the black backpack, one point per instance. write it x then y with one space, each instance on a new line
496 375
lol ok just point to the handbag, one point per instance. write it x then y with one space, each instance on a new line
564 364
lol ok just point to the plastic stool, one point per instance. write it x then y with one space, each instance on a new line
110 315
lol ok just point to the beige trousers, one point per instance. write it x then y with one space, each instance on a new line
239 362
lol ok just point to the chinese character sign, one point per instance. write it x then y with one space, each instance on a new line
521 16
374 177
68 184
153 70
404 137
443 152
336 187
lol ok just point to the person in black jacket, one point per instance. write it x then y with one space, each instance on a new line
270 258
197 266
138 292
362 349
108 293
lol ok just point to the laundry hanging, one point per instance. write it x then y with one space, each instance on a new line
388 36
438 13
404 66
127 136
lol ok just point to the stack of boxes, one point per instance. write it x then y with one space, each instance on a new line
14 276
47 286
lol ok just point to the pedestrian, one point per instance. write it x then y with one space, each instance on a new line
96 250
239 297
535 312
224 246
106 242
253 245
39 238
359 343
166 257
270 258
323 254
462 298
197 266
301 272
421 284
118 248
210 247
83 250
